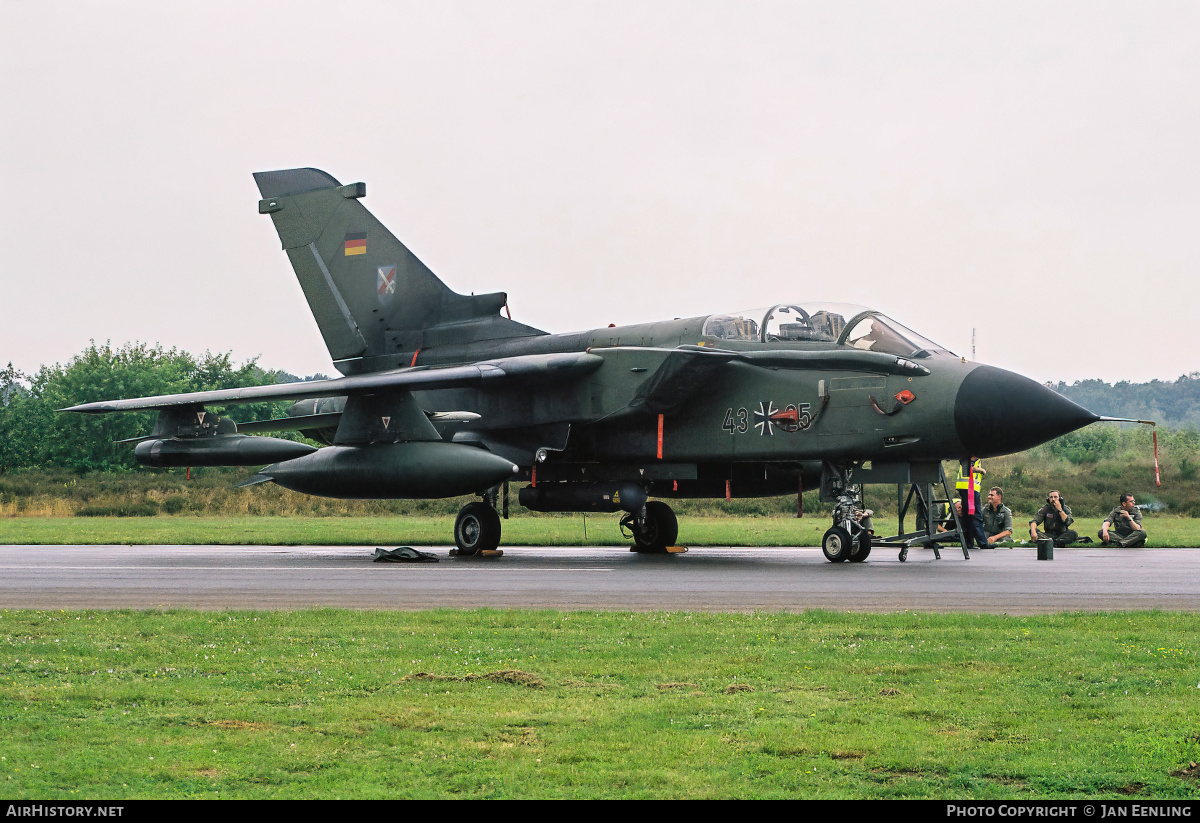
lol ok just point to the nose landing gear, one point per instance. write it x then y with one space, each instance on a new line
839 545
852 532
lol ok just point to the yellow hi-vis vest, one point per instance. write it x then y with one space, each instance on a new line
962 484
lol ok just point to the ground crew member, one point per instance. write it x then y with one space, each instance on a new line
971 507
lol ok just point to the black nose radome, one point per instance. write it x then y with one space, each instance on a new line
998 412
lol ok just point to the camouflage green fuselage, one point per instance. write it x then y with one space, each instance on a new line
720 425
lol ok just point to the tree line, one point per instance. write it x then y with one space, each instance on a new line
35 435
1171 403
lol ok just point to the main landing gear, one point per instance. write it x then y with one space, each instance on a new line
653 528
651 524
477 529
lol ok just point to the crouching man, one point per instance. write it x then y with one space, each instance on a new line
1055 519
1123 526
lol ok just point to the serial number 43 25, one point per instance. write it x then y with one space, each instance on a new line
791 418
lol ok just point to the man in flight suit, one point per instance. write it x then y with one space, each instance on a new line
997 519
1123 526
1055 517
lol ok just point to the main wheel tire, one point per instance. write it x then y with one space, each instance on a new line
836 545
477 529
659 530
862 548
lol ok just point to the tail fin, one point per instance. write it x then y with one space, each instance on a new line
370 295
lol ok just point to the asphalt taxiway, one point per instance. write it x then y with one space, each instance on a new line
704 579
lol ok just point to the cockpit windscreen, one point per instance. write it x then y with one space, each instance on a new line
848 324
790 322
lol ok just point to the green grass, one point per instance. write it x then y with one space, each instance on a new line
529 530
488 704
354 531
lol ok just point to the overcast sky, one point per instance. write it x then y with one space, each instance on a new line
1027 169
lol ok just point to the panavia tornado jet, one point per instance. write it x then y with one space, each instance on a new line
441 395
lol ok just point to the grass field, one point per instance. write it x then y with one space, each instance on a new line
487 704
492 704
528 530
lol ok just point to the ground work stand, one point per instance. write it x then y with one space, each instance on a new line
927 518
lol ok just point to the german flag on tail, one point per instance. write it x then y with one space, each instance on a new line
356 243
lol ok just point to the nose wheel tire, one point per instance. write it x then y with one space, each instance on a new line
863 548
477 529
836 545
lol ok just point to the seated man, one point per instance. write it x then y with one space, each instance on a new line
997 519
947 524
1123 526
1055 517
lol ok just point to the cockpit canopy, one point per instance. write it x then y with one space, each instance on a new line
848 325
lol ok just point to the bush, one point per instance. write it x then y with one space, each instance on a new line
35 435
1087 445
